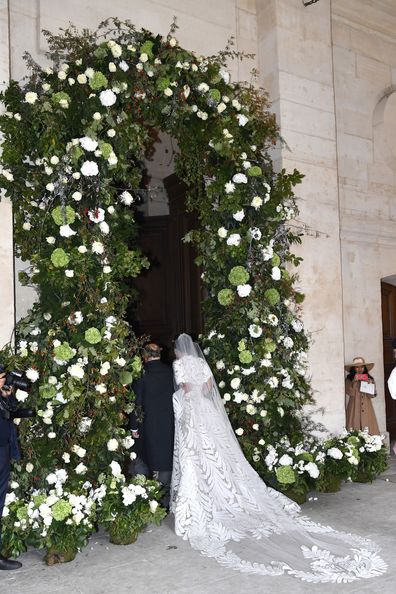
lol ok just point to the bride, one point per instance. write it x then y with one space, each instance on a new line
226 511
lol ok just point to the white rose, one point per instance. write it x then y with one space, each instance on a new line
54 160
116 50
69 273
97 247
112 67
82 249
31 97
51 435
106 269
120 361
239 431
77 196
62 75
66 457
32 374
29 467
239 216
221 107
244 290
239 178
256 202
168 92
107 98
153 505
50 187
242 119
26 226
115 469
222 232
76 370
89 168
234 239
101 388
235 383
111 133
66 231
81 468
82 79
276 273
88 144
97 116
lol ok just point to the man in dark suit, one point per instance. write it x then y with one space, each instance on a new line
7 436
154 434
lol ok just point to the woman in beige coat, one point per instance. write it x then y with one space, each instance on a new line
360 412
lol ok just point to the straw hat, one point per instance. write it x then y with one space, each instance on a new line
359 362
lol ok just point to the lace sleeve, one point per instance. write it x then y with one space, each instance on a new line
179 372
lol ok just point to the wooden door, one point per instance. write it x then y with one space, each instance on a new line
388 294
170 290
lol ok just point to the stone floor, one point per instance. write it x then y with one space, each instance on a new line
162 563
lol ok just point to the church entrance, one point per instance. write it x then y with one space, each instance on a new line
170 292
388 299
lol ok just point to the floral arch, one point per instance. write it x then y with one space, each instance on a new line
74 136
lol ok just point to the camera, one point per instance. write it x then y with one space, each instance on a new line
15 379
8 404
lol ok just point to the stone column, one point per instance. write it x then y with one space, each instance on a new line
6 241
296 66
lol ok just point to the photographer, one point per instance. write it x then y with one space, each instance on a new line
8 448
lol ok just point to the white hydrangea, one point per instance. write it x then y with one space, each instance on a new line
89 168
242 119
285 460
244 290
88 143
239 216
32 374
97 247
112 445
239 178
335 453
126 198
76 370
234 239
81 468
107 98
31 97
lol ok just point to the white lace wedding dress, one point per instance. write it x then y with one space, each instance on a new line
226 511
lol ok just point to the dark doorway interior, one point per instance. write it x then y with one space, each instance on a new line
170 291
388 298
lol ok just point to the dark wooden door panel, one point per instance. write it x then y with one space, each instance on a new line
388 294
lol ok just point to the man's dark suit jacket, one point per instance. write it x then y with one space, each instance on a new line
154 391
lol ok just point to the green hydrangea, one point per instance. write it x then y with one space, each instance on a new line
60 258
215 95
245 357
225 297
61 509
22 512
93 336
163 83
39 499
353 440
126 378
254 171
137 364
106 149
61 96
272 296
275 261
269 345
307 457
147 48
64 352
242 345
238 275
47 391
101 51
63 215
285 475
98 81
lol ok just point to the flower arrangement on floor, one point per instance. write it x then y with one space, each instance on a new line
74 139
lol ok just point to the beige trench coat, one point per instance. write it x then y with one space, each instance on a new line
360 412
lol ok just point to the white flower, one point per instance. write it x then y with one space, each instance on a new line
89 168
106 269
111 133
32 374
235 383
256 202
97 247
267 253
203 87
115 469
276 273
222 232
244 290
153 505
234 239
227 397
66 457
236 104
107 98
62 75
116 50
112 67
81 468
26 226
76 370
82 79
239 216
101 388
242 119
168 92
172 42
255 233
97 215
29 467
66 231
54 160
75 318
312 469
288 342
105 368
229 187
88 143
120 361
50 187
123 65
82 249
69 273
221 107
79 451
273 382
335 453
225 75
31 97
126 198
297 325
255 331
97 116
103 226
21 395
285 460
239 431
220 364
113 159
240 178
